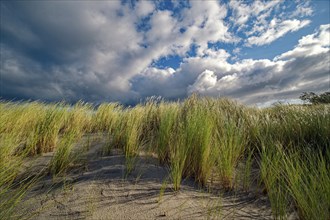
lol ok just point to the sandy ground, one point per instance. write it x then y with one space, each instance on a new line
97 188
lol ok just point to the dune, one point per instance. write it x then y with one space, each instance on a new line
97 187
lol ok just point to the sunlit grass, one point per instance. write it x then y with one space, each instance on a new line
308 182
196 138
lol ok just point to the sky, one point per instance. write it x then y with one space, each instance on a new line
256 52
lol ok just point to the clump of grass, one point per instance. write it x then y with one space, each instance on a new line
63 155
116 129
271 171
162 190
78 118
12 195
178 160
190 146
77 123
151 122
108 119
167 127
133 128
45 134
247 170
298 177
9 163
12 189
289 175
105 117
305 126
232 143
230 139
308 182
199 139
178 156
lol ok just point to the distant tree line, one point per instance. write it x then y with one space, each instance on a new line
323 98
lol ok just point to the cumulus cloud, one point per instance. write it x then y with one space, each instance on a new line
204 82
205 23
253 81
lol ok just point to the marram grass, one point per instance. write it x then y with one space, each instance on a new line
197 138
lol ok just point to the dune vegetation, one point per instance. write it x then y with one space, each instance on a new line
213 141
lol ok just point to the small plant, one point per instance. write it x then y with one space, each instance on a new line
162 190
214 208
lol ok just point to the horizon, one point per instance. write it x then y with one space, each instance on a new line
255 52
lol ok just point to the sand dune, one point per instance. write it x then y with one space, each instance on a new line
97 188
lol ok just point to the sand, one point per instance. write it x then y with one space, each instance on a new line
97 188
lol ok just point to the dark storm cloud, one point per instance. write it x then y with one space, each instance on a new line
66 50
50 31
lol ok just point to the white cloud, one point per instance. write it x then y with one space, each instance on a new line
310 45
228 78
204 81
249 81
158 74
163 25
204 23
303 9
237 50
266 21
220 55
276 30
243 12
144 8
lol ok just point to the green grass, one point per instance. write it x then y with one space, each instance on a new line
168 114
272 176
196 138
63 156
308 182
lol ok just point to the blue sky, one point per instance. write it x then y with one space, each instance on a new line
257 52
